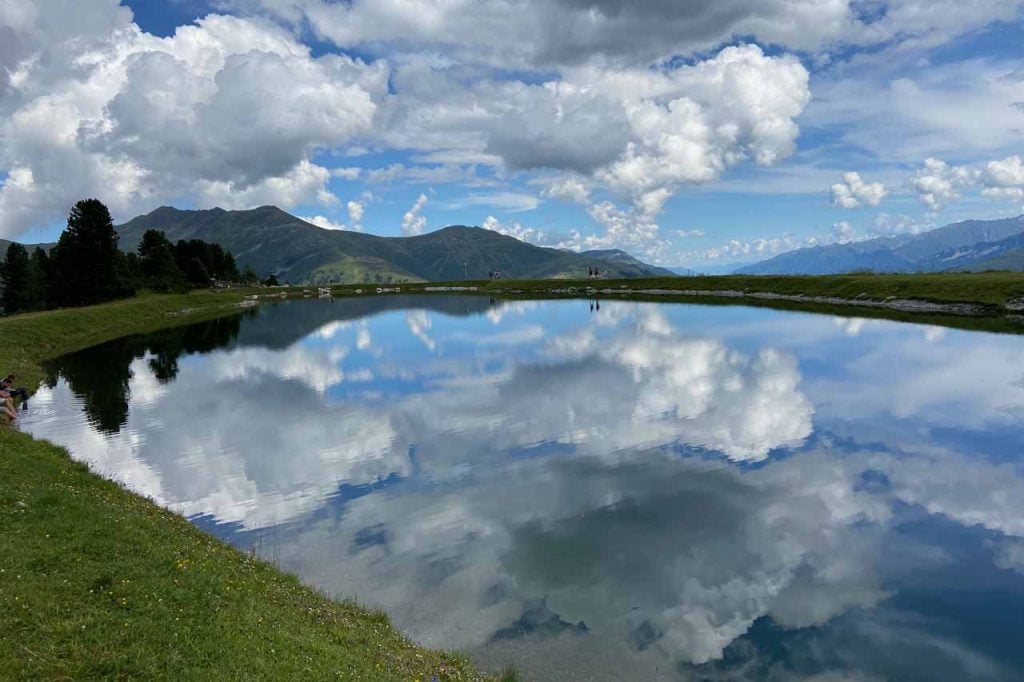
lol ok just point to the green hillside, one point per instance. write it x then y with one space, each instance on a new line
272 241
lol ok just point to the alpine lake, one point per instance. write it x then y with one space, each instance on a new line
595 490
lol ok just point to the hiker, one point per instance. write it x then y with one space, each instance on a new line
7 384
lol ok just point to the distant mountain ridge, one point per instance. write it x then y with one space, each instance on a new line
962 245
272 241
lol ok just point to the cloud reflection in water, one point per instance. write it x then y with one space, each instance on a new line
631 487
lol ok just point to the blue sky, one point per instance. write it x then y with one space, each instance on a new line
697 135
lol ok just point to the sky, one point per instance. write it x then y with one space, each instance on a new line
691 133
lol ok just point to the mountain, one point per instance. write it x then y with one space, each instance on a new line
1005 254
904 253
623 260
28 247
710 269
272 241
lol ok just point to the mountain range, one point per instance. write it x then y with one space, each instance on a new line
272 241
971 245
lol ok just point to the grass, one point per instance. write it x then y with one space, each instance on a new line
992 289
97 582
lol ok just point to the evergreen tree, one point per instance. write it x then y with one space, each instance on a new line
86 257
156 260
14 274
131 271
230 268
197 274
40 280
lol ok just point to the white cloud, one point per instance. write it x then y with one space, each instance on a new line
103 109
551 34
890 225
509 201
324 222
419 325
900 106
853 192
412 222
843 232
640 132
760 248
302 183
514 229
356 209
1004 179
568 189
347 173
1009 555
426 175
937 183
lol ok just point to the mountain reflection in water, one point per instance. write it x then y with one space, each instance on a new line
635 491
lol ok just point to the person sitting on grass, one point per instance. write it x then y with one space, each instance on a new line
5 385
7 406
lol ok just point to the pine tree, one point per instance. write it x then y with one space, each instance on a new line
230 270
86 257
14 274
40 280
197 274
156 260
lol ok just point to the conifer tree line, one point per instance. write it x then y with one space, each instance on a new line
86 266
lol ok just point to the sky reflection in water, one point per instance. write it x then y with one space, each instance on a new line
642 491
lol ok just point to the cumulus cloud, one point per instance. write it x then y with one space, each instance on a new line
568 189
937 183
1004 179
136 119
412 222
324 222
843 232
890 225
853 192
641 133
544 33
356 209
515 229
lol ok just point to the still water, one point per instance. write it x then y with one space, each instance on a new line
621 491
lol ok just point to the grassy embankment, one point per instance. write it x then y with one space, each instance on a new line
987 289
97 582
988 293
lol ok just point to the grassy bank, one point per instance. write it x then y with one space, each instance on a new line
993 290
96 582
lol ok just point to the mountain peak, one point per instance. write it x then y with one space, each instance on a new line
901 253
272 241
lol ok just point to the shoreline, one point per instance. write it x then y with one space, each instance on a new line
984 295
